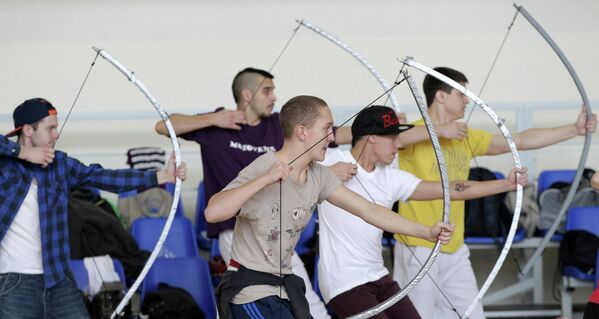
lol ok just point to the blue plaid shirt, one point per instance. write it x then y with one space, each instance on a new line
54 183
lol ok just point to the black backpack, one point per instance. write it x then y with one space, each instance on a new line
171 302
486 216
106 301
579 248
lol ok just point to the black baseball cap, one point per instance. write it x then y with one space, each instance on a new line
29 112
378 120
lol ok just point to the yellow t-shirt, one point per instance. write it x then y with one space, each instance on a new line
419 159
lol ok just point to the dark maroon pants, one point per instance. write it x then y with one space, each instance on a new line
370 294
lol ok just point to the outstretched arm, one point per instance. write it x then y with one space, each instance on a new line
188 123
386 219
451 130
535 138
227 203
464 190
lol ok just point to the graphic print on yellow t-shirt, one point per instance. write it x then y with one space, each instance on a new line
419 159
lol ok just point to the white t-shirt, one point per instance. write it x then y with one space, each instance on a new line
21 247
350 248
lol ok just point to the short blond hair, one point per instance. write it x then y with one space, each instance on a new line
300 110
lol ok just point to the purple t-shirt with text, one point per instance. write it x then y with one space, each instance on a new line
226 152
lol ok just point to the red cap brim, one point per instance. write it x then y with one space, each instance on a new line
13 132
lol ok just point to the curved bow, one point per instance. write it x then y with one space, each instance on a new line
587 139
131 77
516 158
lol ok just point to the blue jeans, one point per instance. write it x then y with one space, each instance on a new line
26 296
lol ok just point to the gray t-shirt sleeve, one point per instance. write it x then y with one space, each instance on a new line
256 168
243 177
328 181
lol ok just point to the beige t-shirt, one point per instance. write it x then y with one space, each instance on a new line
256 238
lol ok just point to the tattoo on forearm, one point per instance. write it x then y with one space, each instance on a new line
460 187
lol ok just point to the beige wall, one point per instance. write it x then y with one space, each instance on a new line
186 52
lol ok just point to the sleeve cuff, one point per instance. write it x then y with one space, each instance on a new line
153 178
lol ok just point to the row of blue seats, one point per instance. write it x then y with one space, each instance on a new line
179 263
579 218
191 274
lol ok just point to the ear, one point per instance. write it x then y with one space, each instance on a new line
440 96
246 95
27 130
300 132
371 139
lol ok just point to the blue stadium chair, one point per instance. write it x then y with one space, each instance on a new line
302 246
200 221
388 242
80 273
548 177
191 274
180 241
579 218
518 237
557 236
